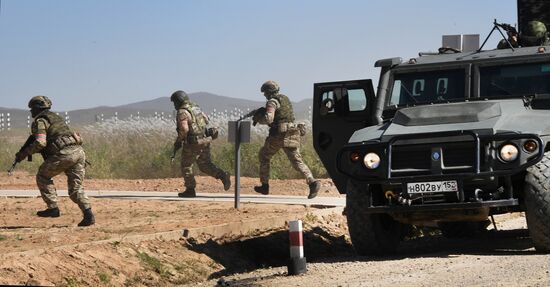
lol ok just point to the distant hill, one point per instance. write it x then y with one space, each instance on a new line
207 101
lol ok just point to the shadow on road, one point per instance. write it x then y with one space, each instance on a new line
272 250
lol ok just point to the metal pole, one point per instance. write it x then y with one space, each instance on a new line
238 165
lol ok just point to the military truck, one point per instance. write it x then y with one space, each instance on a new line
448 140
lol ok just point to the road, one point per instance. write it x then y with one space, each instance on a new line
212 197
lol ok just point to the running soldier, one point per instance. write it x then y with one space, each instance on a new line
195 139
283 134
62 152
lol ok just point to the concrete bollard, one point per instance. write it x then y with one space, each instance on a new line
297 262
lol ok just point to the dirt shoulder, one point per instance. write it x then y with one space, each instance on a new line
119 241
134 242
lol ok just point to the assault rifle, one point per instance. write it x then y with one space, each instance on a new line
250 114
29 141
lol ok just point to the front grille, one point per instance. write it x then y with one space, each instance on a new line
416 159
461 154
411 157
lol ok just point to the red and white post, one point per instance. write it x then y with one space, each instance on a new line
297 263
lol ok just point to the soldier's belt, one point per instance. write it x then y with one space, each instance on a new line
282 128
62 142
198 139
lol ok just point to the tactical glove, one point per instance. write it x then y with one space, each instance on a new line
258 115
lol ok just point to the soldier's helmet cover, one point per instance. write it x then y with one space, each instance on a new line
535 29
270 87
40 102
179 97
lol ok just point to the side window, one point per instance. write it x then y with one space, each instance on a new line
442 86
357 100
396 93
418 87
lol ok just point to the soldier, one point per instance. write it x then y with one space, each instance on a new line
283 133
535 34
195 139
62 152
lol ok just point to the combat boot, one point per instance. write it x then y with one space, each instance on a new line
88 219
226 180
50 212
263 189
314 189
189 192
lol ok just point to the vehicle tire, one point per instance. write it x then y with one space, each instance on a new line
371 234
537 203
463 229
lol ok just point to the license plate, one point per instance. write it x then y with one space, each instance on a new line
432 186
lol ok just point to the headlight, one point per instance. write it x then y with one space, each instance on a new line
509 152
371 160
530 146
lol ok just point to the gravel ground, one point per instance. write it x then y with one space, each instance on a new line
504 258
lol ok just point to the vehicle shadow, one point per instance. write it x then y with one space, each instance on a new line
272 250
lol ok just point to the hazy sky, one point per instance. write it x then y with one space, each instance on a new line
87 53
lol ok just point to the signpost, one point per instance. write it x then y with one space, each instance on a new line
239 132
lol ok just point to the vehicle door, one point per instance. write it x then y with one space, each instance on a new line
339 109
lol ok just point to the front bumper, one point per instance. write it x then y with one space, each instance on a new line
442 206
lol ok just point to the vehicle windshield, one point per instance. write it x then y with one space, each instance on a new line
514 81
427 87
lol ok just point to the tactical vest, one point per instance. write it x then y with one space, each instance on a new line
198 122
57 128
284 114
56 131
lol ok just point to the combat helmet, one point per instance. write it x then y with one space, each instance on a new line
270 87
178 98
40 102
534 34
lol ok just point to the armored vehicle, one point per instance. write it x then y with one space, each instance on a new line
447 140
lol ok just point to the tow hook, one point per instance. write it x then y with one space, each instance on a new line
390 195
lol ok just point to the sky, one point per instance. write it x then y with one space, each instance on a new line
90 53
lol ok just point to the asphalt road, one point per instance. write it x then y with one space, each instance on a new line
173 196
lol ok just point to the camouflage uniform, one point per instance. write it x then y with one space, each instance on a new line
288 140
534 34
70 159
283 134
62 152
191 127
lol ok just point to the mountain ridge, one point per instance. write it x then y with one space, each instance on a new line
207 101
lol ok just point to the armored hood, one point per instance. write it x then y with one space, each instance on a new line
483 117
